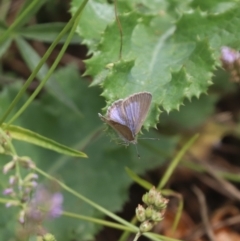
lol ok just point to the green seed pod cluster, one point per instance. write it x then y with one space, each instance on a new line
153 212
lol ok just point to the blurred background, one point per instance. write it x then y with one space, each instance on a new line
66 111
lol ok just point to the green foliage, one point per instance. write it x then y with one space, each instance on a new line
22 134
103 170
46 32
170 48
95 17
169 53
192 114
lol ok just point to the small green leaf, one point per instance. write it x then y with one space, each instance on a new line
143 183
46 32
26 135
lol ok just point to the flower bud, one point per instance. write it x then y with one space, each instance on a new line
26 162
231 62
2 150
146 226
229 56
48 237
152 195
31 184
30 177
149 212
160 202
12 180
9 166
140 213
109 66
145 198
12 203
157 216
8 191
21 217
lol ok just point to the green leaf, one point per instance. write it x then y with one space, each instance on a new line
34 10
46 32
175 90
109 47
5 6
143 183
218 29
214 6
170 61
95 17
32 58
199 67
5 45
191 115
23 134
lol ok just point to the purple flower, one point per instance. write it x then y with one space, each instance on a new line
56 205
12 180
229 55
45 204
7 191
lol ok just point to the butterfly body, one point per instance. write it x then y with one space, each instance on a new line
126 116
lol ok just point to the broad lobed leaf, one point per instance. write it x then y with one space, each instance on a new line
172 58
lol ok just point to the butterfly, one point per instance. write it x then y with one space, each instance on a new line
126 116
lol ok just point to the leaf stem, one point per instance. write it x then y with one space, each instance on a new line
98 221
175 162
119 28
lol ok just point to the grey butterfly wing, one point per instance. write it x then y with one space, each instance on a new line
116 113
116 118
136 108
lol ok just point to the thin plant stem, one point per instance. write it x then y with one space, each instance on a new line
42 61
175 162
119 28
98 221
5 201
126 233
49 73
160 237
138 234
17 22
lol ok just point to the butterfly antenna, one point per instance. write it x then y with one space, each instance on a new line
137 151
149 138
